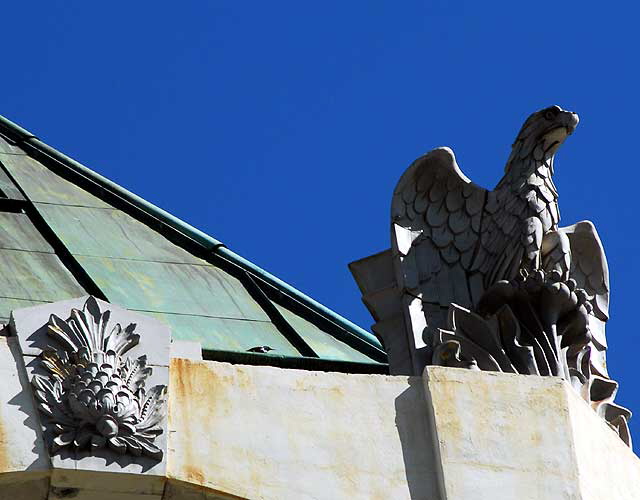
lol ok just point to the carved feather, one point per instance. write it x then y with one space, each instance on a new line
480 233
589 265
450 207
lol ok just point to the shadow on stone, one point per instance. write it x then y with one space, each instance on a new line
418 442
40 340
24 402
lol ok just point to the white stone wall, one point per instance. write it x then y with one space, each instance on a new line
453 434
268 433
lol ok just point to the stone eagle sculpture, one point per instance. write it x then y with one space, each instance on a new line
458 239
488 280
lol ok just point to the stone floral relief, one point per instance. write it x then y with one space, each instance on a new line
94 396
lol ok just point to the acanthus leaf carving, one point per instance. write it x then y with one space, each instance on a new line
94 396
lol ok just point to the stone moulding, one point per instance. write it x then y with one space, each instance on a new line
94 396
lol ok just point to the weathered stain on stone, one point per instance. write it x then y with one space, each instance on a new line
60 493
197 395
4 448
263 432
181 385
194 475
535 438
175 490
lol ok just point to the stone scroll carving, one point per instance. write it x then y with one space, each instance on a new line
487 279
94 395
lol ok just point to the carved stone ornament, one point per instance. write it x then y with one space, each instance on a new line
95 396
486 279
533 325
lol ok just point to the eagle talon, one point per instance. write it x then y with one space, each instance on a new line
555 276
582 296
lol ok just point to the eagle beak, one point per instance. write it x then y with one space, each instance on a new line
564 125
569 120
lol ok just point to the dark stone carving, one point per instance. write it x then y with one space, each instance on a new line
94 396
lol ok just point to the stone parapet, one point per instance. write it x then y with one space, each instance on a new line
257 432
505 436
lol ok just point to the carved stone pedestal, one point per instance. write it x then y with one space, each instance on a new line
503 436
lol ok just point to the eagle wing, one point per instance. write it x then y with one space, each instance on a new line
436 221
588 267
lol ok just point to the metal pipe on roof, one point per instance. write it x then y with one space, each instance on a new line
209 243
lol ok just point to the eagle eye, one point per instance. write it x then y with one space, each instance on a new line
551 112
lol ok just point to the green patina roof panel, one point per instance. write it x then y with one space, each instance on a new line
6 147
8 188
320 341
42 185
31 273
111 233
137 266
173 288
36 276
227 334
8 304
18 233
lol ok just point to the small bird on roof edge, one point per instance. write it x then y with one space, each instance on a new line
263 349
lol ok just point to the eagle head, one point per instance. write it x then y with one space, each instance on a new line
543 133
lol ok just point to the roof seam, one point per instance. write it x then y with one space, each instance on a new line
70 264
201 315
284 327
76 206
28 251
132 259
28 300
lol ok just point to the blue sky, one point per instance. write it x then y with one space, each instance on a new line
281 128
